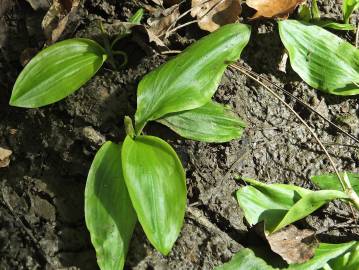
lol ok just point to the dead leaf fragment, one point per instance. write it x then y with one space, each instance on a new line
292 244
159 25
273 8
56 18
4 157
213 14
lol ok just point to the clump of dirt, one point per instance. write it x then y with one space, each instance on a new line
41 192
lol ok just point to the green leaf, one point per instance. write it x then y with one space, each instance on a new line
347 261
315 10
156 183
209 123
278 205
348 8
333 25
189 80
323 254
320 58
331 181
109 214
137 17
56 72
245 260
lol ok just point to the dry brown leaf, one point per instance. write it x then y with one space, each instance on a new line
160 24
56 18
292 244
4 157
273 8
213 14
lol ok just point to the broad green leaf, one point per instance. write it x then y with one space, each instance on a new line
156 183
278 205
209 123
56 72
189 80
348 8
331 181
323 254
245 260
109 214
320 58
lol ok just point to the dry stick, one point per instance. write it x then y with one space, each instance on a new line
301 102
352 195
181 16
181 26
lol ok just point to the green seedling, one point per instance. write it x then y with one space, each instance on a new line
62 68
146 178
278 205
142 178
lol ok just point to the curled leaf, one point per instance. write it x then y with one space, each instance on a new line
5 157
273 8
279 205
212 14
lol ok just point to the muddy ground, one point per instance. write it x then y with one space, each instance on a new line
41 192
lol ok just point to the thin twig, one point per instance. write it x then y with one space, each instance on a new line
301 102
239 68
181 26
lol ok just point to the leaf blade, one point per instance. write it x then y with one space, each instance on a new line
109 214
320 58
56 72
245 259
189 80
157 186
331 181
211 122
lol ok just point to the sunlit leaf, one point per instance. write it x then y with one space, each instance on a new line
56 72
320 58
109 214
279 205
348 8
190 79
323 255
245 260
331 181
209 123
156 183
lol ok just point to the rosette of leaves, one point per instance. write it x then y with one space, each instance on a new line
147 174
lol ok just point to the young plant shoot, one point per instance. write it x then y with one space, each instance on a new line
149 167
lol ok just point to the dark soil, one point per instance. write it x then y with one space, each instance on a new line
41 192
